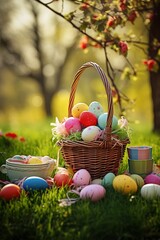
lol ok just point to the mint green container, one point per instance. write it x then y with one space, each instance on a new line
140 167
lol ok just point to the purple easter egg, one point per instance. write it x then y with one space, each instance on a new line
152 178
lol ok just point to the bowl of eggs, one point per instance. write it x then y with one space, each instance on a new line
21 166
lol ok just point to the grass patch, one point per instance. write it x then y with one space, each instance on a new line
39 216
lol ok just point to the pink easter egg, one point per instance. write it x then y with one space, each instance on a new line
152 178
93 192
88 119
72 125
81 178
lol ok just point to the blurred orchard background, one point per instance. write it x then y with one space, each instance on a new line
40 54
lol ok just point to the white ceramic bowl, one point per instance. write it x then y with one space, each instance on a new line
17 171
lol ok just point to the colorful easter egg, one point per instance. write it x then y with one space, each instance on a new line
138 179
91 133
62 179
93 192
10 191
78 109
88 119
72 125
102 121
34 160
81 178
150 191
152 178
35 183
124 184
107 181
96 108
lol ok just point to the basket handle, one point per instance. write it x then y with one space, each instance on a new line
108 129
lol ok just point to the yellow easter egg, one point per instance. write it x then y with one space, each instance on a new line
34 160
78 109
124 184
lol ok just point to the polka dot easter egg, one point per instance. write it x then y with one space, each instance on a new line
91 133
81 178
78 109
96 108
124 184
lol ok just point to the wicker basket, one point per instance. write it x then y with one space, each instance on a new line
98 157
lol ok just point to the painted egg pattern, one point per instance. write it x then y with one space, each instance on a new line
35 183
78 109
88 119
81 178
91 133
124 184
150 191
96 108
72 125
93 192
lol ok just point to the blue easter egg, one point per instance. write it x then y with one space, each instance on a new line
102 121
35 183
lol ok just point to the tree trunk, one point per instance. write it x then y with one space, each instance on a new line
155 76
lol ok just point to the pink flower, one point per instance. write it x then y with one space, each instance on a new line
123 48
59 128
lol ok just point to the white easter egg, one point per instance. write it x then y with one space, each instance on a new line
150 191
96 108
93 192
91 133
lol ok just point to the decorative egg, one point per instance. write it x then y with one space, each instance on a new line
72 125
124 184
152 178
78 109
88 119
91 133
102 121
93 192
139 180
96 108
35 183
62 179
10 191
34 160
150 191
107 181
81 178
97 181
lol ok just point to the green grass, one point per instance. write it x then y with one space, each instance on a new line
39 216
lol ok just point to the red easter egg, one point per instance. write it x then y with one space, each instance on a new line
88 119
10 191
62 179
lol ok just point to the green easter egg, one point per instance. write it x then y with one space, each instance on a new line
108 180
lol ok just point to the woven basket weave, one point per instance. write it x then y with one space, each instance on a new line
98 157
